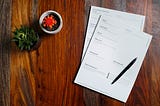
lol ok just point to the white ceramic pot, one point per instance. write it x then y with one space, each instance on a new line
46 14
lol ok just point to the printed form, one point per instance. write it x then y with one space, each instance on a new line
113 45
134 20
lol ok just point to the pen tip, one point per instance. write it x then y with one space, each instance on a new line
135 58
112 82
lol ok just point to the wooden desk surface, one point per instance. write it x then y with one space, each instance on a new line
44 77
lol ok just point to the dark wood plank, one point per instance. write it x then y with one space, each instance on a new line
5 29
155 55
59 56
140 94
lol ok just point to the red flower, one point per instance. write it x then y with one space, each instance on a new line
49 21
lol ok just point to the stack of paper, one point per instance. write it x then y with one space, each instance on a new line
113 40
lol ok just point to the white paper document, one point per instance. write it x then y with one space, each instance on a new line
134 20
114 44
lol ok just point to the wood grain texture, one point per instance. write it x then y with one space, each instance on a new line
22 72
155 55
59 56
142 88
5 29
44 77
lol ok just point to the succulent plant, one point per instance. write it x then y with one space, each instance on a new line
49 21
25 37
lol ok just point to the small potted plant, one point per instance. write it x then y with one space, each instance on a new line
25 38
51 22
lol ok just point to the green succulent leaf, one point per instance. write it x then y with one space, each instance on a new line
25 37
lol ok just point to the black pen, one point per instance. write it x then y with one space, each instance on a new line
124 70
